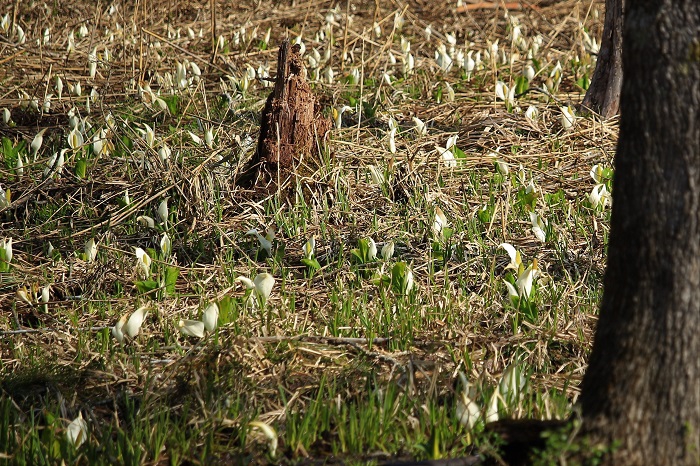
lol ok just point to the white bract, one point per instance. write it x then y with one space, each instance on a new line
165 245
599 196
19 167
523 285
309 247
440 221
76 432
261 287
117 330
568 117
209 138
6 246
143 262
338 115
532 113
419 126
265 241
512 385
525 277
196 139
376 175
90 250
163 212
466 409
210 317
392 140
388 250
191 328
372 251
538 226
75 138
5 198
450 92
264 282
133 325
37 142
149 136
446 153
146 221
504 93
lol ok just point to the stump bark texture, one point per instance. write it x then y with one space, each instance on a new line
291 124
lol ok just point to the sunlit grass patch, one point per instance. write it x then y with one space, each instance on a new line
155 311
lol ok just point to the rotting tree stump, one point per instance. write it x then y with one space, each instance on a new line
290 127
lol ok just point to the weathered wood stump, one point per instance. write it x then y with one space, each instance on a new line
290 126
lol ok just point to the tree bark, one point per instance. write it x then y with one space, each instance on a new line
291 123
603 95
642 386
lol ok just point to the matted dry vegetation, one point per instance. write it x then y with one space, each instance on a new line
325 343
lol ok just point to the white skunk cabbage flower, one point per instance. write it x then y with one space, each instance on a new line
165 244
209 138
196 139
512 384
372 252
75 138
309 247
117 330
6 246
388 250
338 115
440 221
90 250
526 279
163 212
76 432
532 113
133 325
146 221
466 409
446 154
515 260
392 140
568 117
264 282
143 262
599 196
504 93
265 241
419 126
491 414
191 328
538 226
376 175
261 285
37 142
210 317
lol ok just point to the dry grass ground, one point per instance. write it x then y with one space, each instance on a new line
341 362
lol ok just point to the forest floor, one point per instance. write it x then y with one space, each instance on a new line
124 127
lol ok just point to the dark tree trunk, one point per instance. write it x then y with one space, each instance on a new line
642 387
603 95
